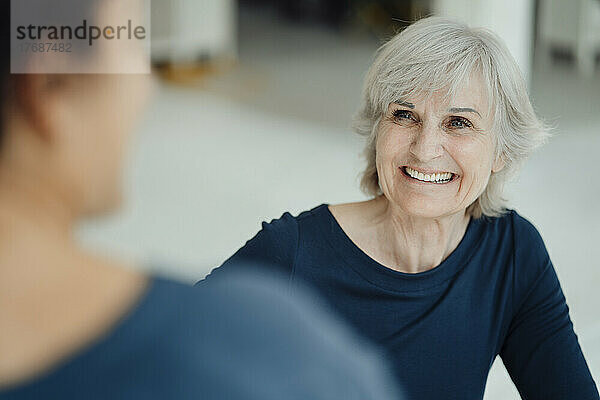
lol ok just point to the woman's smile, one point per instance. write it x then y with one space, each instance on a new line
428 177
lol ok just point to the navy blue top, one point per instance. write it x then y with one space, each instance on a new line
239 339
497 293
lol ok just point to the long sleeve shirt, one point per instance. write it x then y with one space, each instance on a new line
496 294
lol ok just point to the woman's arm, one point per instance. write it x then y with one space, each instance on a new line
272 250
541 351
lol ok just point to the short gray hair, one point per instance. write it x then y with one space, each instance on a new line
436 54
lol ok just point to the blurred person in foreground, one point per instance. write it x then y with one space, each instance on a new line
434 267
75 325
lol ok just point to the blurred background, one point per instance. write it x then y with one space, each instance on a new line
251 118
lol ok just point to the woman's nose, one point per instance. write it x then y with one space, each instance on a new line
426 143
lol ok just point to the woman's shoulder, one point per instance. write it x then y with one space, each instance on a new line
288 217
530 249
319 213
524 228
518 235
512 230
519 227
273 247
287 225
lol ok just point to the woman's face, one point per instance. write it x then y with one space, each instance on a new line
433 158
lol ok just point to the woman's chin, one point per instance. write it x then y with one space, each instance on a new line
424 208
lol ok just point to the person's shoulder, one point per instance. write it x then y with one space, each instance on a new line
315 212
510 221
526 235
273 247
273 318
252 327
517 237
520 236
166 298
287 219
523 226
530 256
286 227
284 224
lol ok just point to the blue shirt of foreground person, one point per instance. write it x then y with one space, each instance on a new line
241 338
434 267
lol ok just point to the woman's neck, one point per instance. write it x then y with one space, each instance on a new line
401 241
417 244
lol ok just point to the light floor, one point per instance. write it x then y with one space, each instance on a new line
271 135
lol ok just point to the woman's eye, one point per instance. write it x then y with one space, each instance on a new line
459 122
403 115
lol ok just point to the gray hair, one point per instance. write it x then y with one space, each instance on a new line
438 54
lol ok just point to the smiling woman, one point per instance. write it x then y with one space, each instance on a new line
433 267
426 137
475 75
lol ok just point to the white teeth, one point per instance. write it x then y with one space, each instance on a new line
437 178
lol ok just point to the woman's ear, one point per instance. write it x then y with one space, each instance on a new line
37 96
498 164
